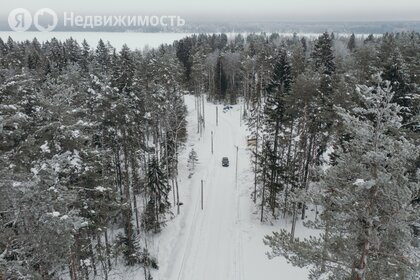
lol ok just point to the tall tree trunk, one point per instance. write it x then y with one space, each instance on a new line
118 172
102 257
134 167
177 196
326 245
127 197
306 172
72 268
263 187
256 155
288 176
107 249
273 192
92 257
292 233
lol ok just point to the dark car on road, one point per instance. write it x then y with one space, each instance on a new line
227 108
225 162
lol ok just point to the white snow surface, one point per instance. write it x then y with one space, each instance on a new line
224 241
45 148
100 189
364 184
359 182
55 214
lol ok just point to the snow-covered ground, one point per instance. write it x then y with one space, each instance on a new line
224 240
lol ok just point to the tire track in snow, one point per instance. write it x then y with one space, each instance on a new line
192 235
178 244
199 245
188 242
238 255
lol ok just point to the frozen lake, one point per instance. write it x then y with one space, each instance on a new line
134 40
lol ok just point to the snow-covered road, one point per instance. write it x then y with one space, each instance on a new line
224 240
213 248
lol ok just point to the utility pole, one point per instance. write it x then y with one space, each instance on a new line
236 168
263 183
240 115
202 204
217 115
177 195
197 104
204 120
212 142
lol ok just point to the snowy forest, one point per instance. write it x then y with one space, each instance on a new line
91 137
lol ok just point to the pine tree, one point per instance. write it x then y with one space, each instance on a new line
366 200
365 63
322 55
86 56
351 45
123 71
298 61
102 58
304 45
192 162
275 121
184 54
395 71
220 80
157 201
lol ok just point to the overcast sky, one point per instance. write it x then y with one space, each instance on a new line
279 10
